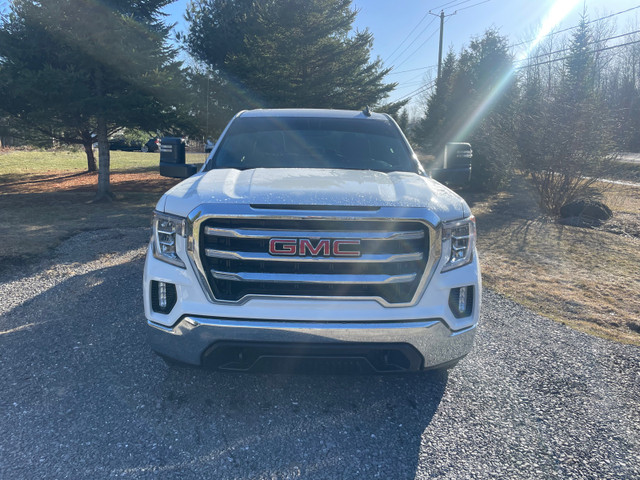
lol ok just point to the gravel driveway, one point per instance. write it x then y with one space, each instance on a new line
83 396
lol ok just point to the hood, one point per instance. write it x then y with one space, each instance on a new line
307 186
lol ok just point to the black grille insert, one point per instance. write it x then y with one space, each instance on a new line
388 262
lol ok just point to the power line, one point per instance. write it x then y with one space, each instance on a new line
569 56
471 6
412 70
410 85
417 91
569 48
575 26
414 41
443 5
448 4
419 47
408 35
442 22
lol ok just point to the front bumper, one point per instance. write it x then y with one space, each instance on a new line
190 340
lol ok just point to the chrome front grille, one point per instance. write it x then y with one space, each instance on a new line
380 259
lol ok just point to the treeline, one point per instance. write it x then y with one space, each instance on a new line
559 116
78 70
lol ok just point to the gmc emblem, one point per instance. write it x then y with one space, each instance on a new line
303 247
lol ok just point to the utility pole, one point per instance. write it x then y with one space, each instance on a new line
442 15
440 47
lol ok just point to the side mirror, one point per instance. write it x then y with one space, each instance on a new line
173 158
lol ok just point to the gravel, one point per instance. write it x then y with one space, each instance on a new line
84 397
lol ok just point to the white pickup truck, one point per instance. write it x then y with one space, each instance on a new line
310 239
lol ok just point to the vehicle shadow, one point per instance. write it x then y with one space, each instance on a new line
315 426
83 392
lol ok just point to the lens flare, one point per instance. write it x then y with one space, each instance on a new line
558 11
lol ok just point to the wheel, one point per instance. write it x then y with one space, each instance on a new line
145 148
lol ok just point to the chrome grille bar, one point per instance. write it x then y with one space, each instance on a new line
265 257
315 279
394 257
268 234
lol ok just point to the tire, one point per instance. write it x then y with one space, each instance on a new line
145 148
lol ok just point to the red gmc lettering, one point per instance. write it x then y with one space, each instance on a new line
304 246
323 245
337 252
283 246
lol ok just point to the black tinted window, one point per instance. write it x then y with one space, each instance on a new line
280 142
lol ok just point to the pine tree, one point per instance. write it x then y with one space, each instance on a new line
289 53
474 101
432 131
81 69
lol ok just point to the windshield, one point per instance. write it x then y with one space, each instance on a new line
293 142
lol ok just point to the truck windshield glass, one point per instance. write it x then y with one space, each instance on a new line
293 142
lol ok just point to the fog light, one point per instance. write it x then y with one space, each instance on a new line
163 296
461 301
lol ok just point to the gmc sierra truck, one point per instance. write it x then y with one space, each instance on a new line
310 238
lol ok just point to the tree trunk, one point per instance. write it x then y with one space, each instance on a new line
104 186
91 159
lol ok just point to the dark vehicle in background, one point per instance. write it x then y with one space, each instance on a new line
121 143
152 145
125 144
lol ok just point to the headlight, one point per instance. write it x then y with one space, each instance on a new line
458 243
166 229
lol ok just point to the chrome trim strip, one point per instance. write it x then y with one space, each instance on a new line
463 331
311 278
265 257
267 234
388 214
192 335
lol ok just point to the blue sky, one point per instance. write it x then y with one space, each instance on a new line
391 22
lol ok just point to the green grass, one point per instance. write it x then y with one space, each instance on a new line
38 162
17 163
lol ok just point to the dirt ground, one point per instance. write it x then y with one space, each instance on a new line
584 277
142 181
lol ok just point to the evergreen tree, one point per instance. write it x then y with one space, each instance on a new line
288 53
80 69
485 96
474 101
432 131
570 137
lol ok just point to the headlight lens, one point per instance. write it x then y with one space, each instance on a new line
166 229
458 243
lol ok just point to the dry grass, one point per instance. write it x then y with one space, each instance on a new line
586 278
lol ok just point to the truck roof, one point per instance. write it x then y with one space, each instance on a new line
312 112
